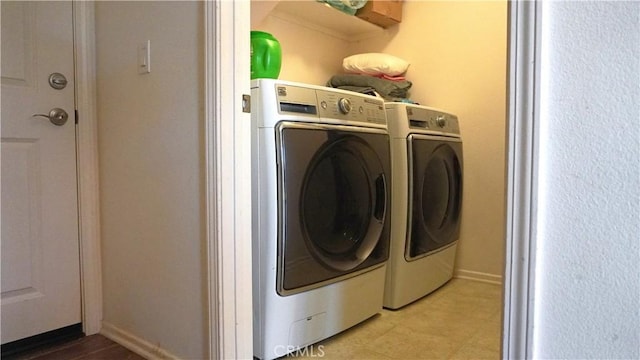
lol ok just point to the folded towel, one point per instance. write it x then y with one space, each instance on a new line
386 88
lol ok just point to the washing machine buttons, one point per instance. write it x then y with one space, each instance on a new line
441 121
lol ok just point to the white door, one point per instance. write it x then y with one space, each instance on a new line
40 250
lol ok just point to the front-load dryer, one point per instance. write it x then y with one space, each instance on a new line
427 175
321 200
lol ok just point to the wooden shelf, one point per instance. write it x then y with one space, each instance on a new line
317 16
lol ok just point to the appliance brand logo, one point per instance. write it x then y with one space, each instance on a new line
409 111
282 91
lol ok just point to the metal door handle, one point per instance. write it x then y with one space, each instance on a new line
57 116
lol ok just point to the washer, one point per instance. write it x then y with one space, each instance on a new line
321 195
427 175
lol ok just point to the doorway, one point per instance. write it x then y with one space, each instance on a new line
515 279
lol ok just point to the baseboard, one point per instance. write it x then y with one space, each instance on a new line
22 348
478 276
134 343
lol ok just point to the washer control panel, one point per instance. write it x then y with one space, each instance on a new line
330 104
351 107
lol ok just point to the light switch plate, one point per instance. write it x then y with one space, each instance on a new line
144 57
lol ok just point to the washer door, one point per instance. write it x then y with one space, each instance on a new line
435 193
334 186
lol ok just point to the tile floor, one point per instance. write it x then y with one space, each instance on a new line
461 320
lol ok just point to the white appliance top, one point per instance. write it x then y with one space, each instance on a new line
404 119
276 100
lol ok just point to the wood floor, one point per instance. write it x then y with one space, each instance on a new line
93 347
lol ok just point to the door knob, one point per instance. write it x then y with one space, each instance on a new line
57 116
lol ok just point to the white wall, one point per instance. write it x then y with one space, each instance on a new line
151 173
587 296
457 52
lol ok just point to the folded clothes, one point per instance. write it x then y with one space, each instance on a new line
359 89
386 88
347 7
392 78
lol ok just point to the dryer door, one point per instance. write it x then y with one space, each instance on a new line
435 193
334 203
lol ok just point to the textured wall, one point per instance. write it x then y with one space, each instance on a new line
151 149
587 300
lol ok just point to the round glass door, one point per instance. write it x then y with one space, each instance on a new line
340 202
437 197
440 193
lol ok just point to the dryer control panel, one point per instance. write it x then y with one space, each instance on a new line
422 118
404 119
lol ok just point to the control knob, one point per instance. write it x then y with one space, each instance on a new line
441 121
344 105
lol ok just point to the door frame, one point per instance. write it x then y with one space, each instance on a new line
524 23
87 166
228 179
523 122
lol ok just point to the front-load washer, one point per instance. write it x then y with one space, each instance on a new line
321 201
427 175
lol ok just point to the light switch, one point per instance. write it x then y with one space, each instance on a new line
144 57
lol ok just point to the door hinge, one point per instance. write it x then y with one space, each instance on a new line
76 114
246 103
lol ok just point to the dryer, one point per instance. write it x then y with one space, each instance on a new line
427 174
321 200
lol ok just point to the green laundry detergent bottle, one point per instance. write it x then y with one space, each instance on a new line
266 55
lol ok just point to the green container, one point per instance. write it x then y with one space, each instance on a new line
266 56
